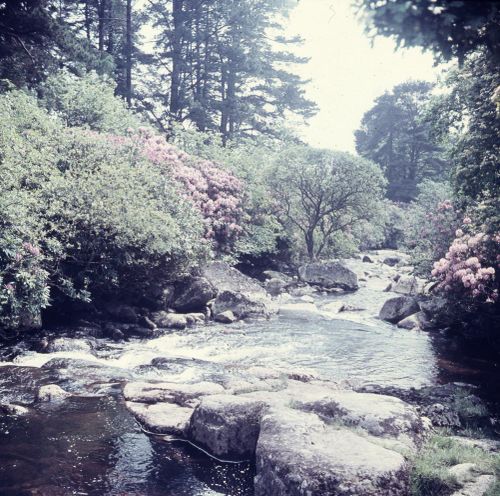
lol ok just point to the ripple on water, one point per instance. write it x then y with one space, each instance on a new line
92 446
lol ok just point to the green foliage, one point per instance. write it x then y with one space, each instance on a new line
250 160
477 151
38 37
430 225
223 66
82 217
396 134
449 28
321 194
385 229
430 472
88 101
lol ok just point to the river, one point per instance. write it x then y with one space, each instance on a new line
91 445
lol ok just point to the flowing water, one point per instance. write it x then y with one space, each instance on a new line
90 445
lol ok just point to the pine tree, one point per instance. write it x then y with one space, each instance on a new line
219 67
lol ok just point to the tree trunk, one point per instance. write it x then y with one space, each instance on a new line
128 55
87 20
175 78
309 238
111 33
101 6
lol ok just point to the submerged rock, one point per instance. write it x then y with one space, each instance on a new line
299 455
329 274
68 344
180 394
398 308
333 307
300 310
52 393
392 260
11 409
226 317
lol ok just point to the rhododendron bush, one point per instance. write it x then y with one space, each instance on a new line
431 222
214 192
83 220
469 272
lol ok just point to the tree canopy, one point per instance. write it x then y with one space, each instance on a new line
449 28
320 194
396 134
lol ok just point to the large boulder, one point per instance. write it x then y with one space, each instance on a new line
169 320
227 425
242 305
300 455
380 415
226 278
398 308
194 295
329 274
162 418
406 285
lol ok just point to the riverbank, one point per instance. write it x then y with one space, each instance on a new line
180 381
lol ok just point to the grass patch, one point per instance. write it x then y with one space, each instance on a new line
430 476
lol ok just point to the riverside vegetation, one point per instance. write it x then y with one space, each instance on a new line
124 213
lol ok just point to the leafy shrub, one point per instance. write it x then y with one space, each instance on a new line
87 101
431 222
214 192
82 218
120 221
26 136
250 160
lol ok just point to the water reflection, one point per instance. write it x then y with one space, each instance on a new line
92 446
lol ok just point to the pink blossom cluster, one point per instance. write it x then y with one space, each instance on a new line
439 228
467 268
29 248
214 192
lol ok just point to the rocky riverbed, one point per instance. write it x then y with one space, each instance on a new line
323 385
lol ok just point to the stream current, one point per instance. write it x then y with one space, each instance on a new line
91 445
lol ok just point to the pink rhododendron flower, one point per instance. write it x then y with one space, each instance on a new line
213 191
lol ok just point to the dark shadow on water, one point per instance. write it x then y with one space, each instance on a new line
92 446
459 361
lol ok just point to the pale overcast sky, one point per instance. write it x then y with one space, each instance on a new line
346 72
